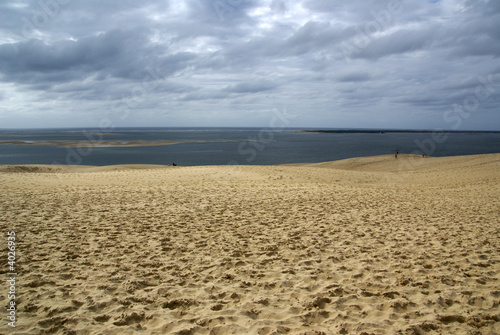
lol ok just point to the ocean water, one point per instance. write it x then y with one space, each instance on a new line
221 146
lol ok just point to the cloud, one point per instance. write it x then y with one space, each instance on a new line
355 77
111 53
399 42
208 61
251 87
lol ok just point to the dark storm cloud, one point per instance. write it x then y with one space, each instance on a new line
114 54
110 53
328 60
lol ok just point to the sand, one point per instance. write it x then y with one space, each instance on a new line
369 245
105 144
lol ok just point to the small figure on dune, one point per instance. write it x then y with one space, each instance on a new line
423 154
397 153
173 164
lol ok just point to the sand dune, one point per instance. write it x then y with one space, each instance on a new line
371 245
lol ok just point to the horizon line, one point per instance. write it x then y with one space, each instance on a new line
305 129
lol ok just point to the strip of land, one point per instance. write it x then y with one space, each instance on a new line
383 131
104 144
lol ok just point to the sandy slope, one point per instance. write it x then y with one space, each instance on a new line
363 246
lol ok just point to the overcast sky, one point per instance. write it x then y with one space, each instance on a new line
322 63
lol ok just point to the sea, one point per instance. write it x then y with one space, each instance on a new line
222 146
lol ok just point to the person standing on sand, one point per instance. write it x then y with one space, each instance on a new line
423 154
397 152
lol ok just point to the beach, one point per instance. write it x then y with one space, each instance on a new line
370 245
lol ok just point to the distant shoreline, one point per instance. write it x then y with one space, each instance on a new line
391 131
118 130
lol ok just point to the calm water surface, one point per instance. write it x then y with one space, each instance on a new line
256 146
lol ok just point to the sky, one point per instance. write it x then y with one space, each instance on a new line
407 64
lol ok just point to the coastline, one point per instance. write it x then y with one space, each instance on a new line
363 245
391 131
